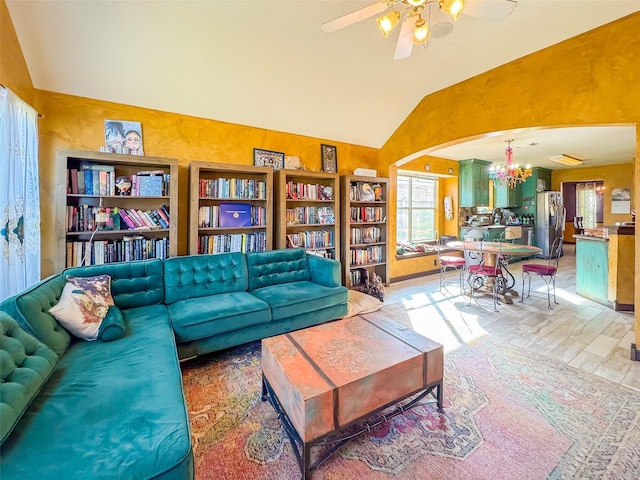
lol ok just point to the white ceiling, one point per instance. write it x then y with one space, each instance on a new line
267 63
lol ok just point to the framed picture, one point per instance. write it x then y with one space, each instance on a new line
267 158
329 156
122 136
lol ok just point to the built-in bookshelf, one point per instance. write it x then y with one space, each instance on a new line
365 247
307 211
114 208
231 208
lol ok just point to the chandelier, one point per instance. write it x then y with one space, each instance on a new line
509 174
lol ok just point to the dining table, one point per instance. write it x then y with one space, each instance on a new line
491 251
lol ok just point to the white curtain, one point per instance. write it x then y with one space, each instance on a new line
586 204
19 195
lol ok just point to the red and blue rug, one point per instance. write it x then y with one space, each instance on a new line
507 415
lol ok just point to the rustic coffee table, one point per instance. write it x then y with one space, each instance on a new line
347 373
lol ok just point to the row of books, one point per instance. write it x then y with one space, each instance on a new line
153 219
366 235
363 256
310 215
233 188
235 242
86 218
231 215
309 191
367 214
366 192
358 276
110 251
317 239
102 180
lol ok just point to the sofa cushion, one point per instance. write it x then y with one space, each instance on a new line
83 305
109 410
202 317
290 299
277 267
203 275
25 365
133 284
112 327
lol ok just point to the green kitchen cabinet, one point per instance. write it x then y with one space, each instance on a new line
505 196
473 185
539 180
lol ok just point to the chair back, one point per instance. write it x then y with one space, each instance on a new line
556 252
471 257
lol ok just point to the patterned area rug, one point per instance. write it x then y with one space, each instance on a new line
507 414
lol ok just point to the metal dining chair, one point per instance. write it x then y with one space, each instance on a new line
449 262
481 274
547 271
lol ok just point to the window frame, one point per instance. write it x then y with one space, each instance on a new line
411 208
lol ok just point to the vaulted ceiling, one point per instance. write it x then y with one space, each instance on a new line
268 64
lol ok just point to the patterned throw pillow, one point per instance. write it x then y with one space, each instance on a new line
83 305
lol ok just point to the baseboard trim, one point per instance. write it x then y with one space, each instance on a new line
623 307
635 355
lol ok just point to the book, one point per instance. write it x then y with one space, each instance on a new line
150 185
235 215
365 191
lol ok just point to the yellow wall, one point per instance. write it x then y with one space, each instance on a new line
399 268
76 122
591 79
614 176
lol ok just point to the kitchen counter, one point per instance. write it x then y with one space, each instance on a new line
605 269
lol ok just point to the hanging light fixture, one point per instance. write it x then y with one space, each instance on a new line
388 22
421 30
510 173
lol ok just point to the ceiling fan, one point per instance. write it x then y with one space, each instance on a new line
415 30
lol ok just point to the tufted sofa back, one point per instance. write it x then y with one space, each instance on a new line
201 275
133 284
277 266
25 365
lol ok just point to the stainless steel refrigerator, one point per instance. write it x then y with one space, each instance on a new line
550 218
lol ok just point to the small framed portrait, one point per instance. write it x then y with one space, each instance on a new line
268 158
329 156
122 136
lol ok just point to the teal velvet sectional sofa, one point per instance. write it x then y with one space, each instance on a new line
76 409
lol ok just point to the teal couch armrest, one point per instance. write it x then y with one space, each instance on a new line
325 271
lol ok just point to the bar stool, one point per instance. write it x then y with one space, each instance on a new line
449 262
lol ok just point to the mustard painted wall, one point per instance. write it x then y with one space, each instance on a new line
591 79
399 268
76 122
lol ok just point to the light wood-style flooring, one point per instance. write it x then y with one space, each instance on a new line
578 331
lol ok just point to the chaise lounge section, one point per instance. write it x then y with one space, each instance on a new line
115 409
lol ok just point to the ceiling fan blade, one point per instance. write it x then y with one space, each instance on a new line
493 10
405 39
355 17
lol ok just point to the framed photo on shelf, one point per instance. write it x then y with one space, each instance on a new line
329 156
122 136
268 158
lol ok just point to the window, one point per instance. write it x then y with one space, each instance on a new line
586 205
416 215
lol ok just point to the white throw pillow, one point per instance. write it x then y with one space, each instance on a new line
83 305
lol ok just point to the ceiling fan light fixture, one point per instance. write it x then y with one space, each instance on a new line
421 32
452 8
387 22
416 3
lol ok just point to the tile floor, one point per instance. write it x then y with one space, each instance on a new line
578 331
